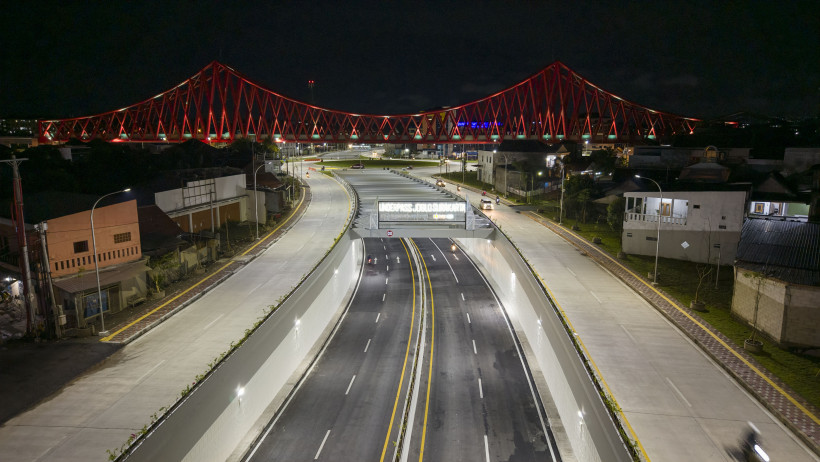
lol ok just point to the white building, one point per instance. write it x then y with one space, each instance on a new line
201 203
698 226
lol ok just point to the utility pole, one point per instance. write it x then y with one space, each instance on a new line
20 225
42 228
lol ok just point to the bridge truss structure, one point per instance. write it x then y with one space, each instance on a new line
220 105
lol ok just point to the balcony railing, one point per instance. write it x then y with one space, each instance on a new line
630 216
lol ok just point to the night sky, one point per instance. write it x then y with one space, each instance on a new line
697 59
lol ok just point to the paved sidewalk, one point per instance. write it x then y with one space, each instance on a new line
793 410
132 329
683 390
98 410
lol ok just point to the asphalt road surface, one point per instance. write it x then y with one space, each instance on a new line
475 403
476 400
350 405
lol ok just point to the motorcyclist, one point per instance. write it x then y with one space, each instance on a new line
497 200
750 446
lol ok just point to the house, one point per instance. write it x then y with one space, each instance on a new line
61 250
698 226
207 203
777 280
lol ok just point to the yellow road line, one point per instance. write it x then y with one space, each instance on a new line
710 333
108 338
406 354
592 362
751 366
432 343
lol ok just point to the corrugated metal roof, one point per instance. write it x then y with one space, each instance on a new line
785 250
74 284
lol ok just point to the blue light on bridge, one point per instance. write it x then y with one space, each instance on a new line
475 125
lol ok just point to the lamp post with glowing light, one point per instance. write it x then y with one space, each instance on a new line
256 199
658 237
97 259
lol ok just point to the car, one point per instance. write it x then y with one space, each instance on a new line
358 166
409 167
486 204
440 184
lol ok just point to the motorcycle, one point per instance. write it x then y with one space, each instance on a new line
750 446
497 200
458 188
453 247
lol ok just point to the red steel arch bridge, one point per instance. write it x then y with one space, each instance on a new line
220 105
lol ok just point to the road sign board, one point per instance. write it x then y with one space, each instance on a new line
389 233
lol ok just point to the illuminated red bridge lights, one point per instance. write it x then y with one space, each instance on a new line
220 105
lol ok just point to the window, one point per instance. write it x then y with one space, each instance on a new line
122 237
81 246
696 206
666 209
758 207
83 261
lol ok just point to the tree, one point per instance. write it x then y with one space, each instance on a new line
578 190
615 214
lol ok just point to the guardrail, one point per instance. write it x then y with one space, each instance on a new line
213 417
588 422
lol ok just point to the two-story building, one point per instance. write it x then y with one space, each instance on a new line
207 204
62 257
698 226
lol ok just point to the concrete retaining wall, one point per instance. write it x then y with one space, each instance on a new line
586 420
214 419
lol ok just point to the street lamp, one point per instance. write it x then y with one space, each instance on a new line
658 237
256 199
97 259
561 213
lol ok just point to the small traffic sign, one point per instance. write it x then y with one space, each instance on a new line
389 233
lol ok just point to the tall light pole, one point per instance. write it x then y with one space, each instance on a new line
561 213
256 199
658 237
103 332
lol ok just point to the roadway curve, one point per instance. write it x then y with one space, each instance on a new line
474 401
350 405
98 411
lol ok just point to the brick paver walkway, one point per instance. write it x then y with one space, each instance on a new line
782 401
162 309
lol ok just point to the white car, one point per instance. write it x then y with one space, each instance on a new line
486 204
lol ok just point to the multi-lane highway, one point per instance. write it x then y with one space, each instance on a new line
472 398
350 405
476 400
